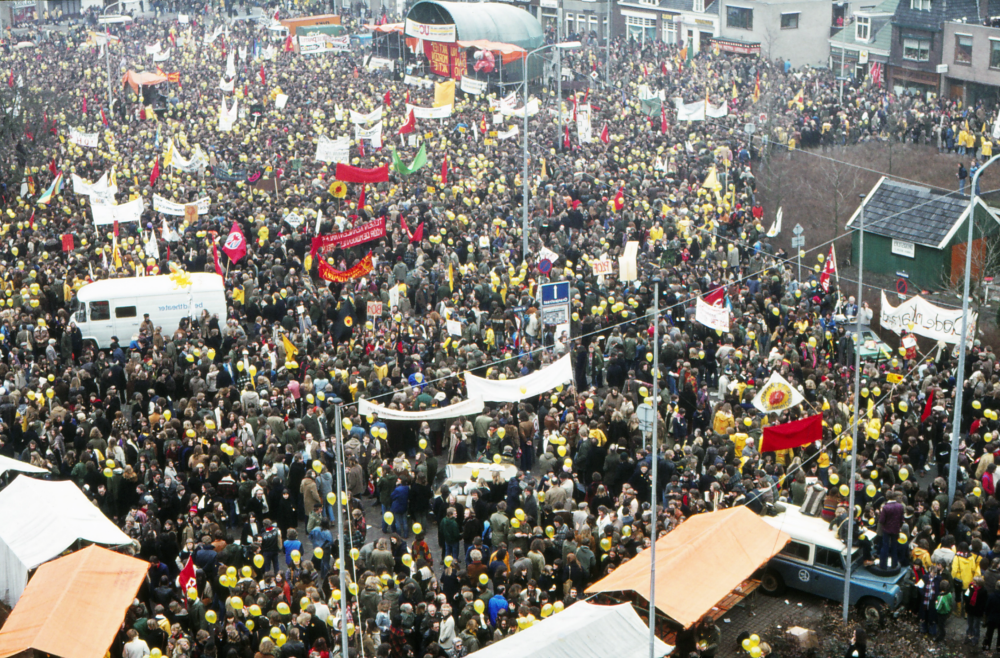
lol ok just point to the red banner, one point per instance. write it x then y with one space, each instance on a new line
372 230
792 435
439 56
327 273
459 62
67 242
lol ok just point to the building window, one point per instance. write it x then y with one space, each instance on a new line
963 49
863 28
641 29
920 5
593 24
699 6
669 32
790 21
740 18
994 54
651 3
917 50
569 23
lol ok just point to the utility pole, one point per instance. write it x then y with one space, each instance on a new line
336 436
857 412
654 465
607 42
559 98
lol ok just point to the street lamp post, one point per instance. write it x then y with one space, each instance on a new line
565 45
956 419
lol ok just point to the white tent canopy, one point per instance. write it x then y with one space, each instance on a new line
463 408
7 464
582 630
38 521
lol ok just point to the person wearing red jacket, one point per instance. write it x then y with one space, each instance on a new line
989 480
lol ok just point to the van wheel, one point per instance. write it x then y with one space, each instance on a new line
873 612
772 583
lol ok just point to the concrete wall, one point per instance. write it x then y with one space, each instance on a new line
805 45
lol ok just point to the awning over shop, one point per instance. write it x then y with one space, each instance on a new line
699 563
737 47
74 606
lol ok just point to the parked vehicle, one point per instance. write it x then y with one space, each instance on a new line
815 561
115 307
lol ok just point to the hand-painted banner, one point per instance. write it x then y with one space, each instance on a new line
367 232
713 317
371 117
374 134
924 319
126 212
333 150
472 86
327 273
166 207
83 139
442 112
522 388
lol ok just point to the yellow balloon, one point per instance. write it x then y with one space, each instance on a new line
388 518
258 561
479 606
211 617
417 528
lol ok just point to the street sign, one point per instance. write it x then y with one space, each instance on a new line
545 266
901 286
555 302
902 274
798 243
798 230
749 129
645 413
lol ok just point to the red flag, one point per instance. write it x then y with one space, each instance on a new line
215 256
361 199
566 142
276 12
114 228
235 245
104 119
361 147
410 125
552 210
387 99
716 297
67 242
605 137
52 167
173 40
84 104
407 96
31 222
288 44
155 173
263 76
928 407
663 68
792 435
619 200
663 119
188 577
444 171
586 95
829 269
574 108
418 235
482 125
645 71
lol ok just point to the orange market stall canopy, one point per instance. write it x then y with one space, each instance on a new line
136 79
73 606
699 563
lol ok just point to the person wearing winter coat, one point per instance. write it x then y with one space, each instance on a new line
964 568
310 492
991 615
975 607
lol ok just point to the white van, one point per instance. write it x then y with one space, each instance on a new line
115 307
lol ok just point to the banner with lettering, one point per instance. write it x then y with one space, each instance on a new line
83 139
333 150
919 316
439 57
472 86
166 207
327 273
367 232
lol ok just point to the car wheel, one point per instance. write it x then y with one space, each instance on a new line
873 612
771 583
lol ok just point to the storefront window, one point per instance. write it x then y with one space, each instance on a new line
740 18
963 49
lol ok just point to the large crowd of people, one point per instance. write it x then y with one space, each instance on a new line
215 443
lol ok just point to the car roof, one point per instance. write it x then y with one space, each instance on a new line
808 529
147 286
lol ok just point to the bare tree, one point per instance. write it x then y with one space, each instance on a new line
26 131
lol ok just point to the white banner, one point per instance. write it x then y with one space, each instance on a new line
690 111
162 57
154 49
444 32
227 117
508 134
583 129
231 65
126 212
280 101
713 317
532 109
333 150
509 101
376 63
215 35
100 191
522 388
323 43
166 207
371 117
197 162
227 86
414 81
717 112
924 319
777 394
463 408
602 267
442 112
472 86
374 134
83 139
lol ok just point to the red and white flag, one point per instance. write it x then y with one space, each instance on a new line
409 125
605 137
236 244
215 257
829 270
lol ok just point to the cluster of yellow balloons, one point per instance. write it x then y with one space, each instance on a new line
752 646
